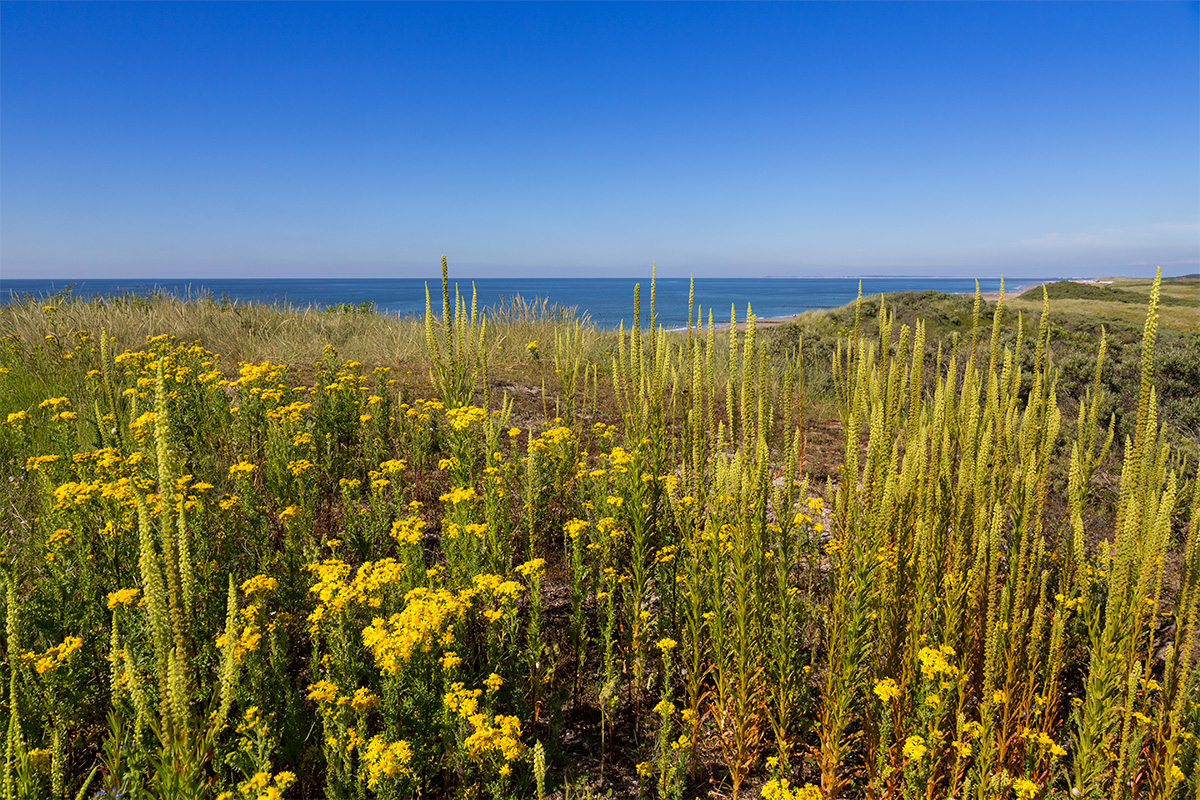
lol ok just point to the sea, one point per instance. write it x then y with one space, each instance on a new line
607 302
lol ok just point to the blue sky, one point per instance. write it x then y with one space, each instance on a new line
279 139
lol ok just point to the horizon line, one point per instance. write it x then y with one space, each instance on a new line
855 276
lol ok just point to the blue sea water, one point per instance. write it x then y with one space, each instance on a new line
607 301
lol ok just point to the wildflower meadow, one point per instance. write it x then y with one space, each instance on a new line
285 579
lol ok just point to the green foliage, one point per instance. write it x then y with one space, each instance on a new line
1108 293
299 579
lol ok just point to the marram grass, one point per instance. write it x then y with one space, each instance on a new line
296 579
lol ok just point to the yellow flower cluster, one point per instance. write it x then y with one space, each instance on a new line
1043 740
502 590
421 411
934 663
535 568
299 466
554 436
34 463
498 736
259 583
334 593
241 468
143 421
122 597
73 494
326 693
292 413
250 636
427 615
323 691
887 690
59 539
914 748
1025 788
39 759
462 701
781 789
363 699
385 759
408 530
54 657
261 373
261 786
619 458
462 418
459 495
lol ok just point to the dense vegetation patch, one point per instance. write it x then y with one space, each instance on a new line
309 578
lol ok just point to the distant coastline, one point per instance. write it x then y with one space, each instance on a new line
606 302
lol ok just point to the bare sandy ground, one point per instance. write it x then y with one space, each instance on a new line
992 297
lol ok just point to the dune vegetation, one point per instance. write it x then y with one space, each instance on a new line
260 552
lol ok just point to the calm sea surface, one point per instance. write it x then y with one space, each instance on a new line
607 301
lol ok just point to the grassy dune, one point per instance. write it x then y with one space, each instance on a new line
1121 299
928 547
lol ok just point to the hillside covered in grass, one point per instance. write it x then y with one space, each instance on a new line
923 546
1080 314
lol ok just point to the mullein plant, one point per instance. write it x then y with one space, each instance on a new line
570 367
457 355
703 532
940 519
1128 728
639 500
168 700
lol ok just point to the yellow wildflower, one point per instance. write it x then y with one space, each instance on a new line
408 530
259 583
536 567
914 748
385 759
323 691
299 466
1025 788
363 699
122 597
459 495
887 690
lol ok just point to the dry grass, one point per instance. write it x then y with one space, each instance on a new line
1180 298
250 332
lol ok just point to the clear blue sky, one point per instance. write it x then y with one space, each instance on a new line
277 139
